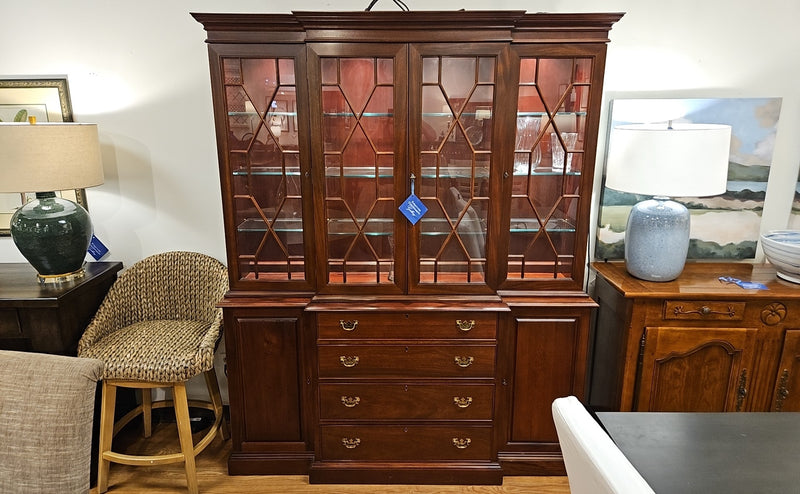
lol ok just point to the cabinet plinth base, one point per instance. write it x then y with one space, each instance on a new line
412 473
269 464
532 464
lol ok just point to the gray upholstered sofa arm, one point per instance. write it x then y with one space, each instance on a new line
46 416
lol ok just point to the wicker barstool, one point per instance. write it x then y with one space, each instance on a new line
157 327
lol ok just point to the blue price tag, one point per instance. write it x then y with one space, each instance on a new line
747 285
97 249
413 208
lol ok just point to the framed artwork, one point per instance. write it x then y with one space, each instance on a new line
48 101
794 216
722 227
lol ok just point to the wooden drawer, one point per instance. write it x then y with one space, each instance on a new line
699 310
405 443
406 361
9 324
406 401
411 325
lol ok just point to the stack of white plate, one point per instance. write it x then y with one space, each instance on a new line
782 248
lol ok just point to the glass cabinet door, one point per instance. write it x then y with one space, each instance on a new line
549 156
361 109
263 167
452 166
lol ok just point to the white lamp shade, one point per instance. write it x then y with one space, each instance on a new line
46 157
682 160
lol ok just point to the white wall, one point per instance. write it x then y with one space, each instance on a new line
140 70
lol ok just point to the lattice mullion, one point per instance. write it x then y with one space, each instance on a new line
270 231
355 222
542 231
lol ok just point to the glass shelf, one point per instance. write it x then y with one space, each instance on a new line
530 225
254 114
289 225
384 226
268 171
353 115
545 171
476 115
388 172
544 114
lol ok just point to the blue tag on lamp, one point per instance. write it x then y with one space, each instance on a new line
97 249
413 208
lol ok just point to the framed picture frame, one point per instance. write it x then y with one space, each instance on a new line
47 99
726 226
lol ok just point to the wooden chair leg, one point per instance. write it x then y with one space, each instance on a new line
216 399
181 405
107 407
147 411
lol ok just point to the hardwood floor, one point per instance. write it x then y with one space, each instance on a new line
214 479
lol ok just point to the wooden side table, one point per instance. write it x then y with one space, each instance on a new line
49 319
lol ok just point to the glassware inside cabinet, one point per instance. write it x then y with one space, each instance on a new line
548 160
358 131
455 155
263 160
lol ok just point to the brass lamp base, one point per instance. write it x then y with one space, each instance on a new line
60 279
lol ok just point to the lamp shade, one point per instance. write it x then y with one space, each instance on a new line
680 160
46 157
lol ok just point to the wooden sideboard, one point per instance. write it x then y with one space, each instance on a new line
697 343
49 318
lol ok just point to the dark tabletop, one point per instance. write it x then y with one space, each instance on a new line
710 452
19 285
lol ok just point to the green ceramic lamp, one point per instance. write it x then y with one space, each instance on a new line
51 232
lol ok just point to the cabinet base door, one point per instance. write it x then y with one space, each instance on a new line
787 386
696 369
266 395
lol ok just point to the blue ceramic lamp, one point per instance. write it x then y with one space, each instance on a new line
51 232
663 161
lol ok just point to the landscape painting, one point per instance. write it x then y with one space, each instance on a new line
794 217
722 227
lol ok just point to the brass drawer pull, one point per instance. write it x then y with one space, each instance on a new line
704 311
465 325
464 361
462 401
348 361
461 442
348 325
350 401
351 442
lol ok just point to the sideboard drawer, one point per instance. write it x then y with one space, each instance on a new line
694 310
411 325
9 324
406 361
406 443
406 401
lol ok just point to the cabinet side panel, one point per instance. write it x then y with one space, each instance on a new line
610 335
547 367
271 399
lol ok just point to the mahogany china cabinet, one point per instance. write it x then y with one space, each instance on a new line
406 199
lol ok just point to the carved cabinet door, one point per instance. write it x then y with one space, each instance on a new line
787 384
695 369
